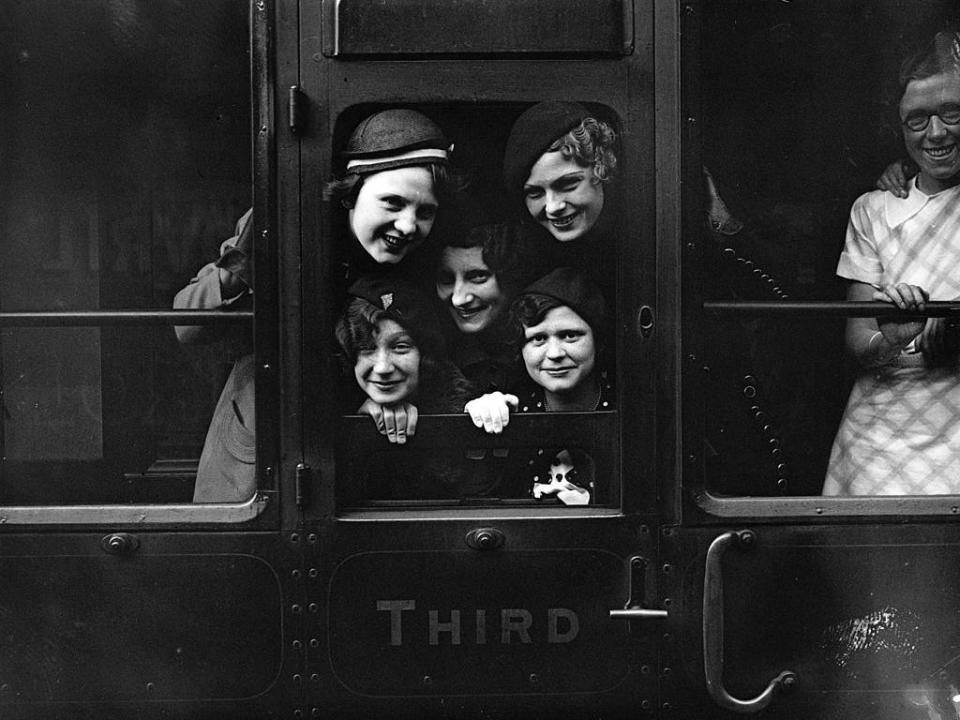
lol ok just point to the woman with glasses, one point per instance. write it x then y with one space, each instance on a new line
900 433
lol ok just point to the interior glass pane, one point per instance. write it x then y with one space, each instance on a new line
800 116
126 162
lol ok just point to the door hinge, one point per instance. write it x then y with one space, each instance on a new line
296 108
302 480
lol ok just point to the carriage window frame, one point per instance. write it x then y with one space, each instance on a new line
261 510
699 504
353 430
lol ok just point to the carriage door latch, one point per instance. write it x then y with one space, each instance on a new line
634 612
645 322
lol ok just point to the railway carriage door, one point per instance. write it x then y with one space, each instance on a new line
797 604
495 603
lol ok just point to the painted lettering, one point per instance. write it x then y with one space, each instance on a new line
447 627
554 633
515 620
396 608
452 627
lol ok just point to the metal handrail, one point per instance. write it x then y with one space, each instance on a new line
833 308
79 318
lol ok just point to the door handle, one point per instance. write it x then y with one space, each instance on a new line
713 631
634 609
634 613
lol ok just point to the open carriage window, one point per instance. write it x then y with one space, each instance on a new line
802 111
476 292
126 164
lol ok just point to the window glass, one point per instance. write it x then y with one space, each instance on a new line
800 118
433 269
126 164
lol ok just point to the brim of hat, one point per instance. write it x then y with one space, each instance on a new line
375 167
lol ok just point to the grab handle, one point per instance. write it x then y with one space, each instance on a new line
713 631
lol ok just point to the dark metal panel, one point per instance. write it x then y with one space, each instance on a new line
149 625
107 629
864 615
468 27
474 81
495 623
535 635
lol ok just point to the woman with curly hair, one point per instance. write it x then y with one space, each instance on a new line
391 339
561 159
393 347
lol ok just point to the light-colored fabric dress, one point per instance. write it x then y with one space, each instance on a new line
900 433
227 468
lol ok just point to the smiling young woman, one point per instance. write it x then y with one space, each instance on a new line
903 250
559 158
393 213
560 321
397 178
478 273
391 341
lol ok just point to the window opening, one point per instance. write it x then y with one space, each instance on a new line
774 216
440 245
127 163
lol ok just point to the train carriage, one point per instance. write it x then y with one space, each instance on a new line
707 578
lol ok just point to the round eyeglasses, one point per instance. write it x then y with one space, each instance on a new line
917 121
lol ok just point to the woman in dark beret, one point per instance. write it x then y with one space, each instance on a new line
560 159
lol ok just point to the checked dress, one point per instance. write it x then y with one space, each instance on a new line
900 432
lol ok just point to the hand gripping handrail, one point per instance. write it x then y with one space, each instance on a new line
713 631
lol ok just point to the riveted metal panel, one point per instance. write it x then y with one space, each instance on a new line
864 617
116 629
493 623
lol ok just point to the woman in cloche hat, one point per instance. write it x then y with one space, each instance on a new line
397 175
396 179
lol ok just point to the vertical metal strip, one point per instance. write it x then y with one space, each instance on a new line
669 146
265 330
691 350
